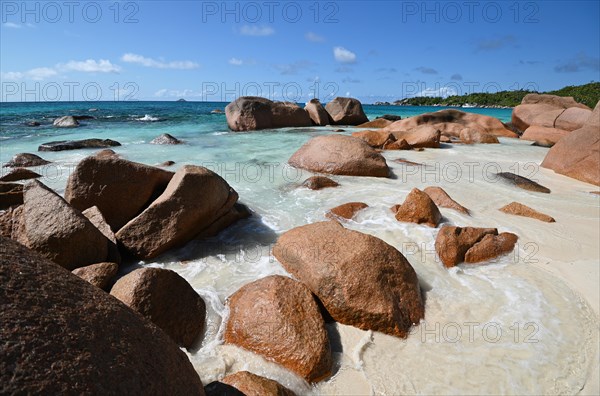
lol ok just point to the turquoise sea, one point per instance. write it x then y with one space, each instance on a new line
520 329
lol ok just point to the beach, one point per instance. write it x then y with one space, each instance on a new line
523 323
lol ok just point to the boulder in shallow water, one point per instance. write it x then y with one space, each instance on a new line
165 138
361 280
165 299
77 144
441 198
418 208
25 160
120 189
340 155
454 244
377 123
66 122
375 139
61 335
470 136
424 136
99 275
279 319
317 113
346 111
192 202
249 113
346 211
319 183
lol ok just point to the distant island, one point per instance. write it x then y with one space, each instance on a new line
181 100
588 94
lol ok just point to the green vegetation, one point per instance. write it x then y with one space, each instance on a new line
588 94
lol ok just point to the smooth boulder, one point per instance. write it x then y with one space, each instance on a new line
121 189
375 139
66 122
450 122
61 335
423 136
249 113
166 299
77 144
248 384
317 113
545 110
194 199
25 160
319 183
346 111
541 134
340 155
376 123
471 136
418 208
361 280
279 319
346 211
441 198
59 232
99 275
578 154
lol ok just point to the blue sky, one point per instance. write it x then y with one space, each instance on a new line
292 50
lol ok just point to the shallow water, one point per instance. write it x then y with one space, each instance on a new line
505 327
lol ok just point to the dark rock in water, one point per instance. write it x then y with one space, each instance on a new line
25 160
390 117
181 100
217 111
165 138
543 143
523 182
166 164
61 335
19 174
319 182
66 122
11 194
77 144
84 117
339 130
32 124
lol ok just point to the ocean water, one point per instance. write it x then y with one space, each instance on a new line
506 327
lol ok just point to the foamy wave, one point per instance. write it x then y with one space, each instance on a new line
148 118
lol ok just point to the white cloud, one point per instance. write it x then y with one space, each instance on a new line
254 30
343 55
37 74
158 64
236 62
91 66
315 38
443 92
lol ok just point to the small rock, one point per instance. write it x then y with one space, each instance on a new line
11 194
19 174
339 130
32 124
99 275
165 138
442 199
25 160
66 122
319 182
523 182
398 145
390 117
166 164
418 208
491 246
106 153
217 111
250 385
77 144
346 211
518 209
167 300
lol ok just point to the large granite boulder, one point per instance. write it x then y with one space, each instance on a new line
346 111
422 136
361 280
544 135
317 113
121 189
18 174
545 110
340 155
451 122
194 199
578 154
418 208
249 113
57 231
166 299
278 318
61 335
25 160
